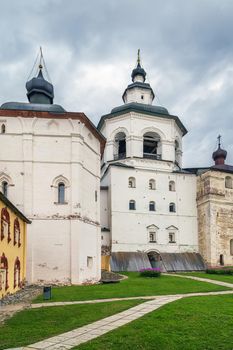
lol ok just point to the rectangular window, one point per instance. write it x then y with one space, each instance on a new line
96 196
152 237
89 262
172 237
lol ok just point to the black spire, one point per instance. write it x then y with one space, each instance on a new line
40 90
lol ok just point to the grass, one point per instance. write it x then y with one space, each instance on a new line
196 323
222 278
32 325
134 286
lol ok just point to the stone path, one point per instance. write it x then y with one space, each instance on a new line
64 303
220 283
83 334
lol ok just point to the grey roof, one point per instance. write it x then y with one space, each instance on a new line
222 167
33 107
140 107
138 84
122 165
155 111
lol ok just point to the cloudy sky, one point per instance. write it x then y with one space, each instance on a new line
90 49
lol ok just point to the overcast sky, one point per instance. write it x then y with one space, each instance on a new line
90 49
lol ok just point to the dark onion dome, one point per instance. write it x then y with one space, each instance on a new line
39 90
138 71
219 156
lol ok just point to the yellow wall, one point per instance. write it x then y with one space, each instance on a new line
12 251
105 262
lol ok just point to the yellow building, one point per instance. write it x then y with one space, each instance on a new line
12 247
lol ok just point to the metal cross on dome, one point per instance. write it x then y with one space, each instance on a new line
219 140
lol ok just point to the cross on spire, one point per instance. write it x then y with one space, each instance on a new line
41 59
139 58
219 140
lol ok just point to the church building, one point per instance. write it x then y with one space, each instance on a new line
148 205
50 166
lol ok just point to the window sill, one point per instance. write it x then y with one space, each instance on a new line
57 203
172 242
153 242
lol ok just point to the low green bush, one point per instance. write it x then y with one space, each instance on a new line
150 272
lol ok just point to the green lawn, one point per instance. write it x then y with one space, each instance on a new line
133 286
223 278
197 323
30 326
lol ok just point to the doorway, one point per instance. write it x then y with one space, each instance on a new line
155 259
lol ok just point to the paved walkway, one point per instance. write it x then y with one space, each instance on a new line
220 283
64 303
83 334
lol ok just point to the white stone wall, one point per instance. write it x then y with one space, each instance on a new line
130 227
35 154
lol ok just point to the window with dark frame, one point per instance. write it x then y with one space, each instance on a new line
61 193
152 206
172 208
132 205
171 237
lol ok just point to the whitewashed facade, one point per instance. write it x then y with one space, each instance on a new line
149 203
50 160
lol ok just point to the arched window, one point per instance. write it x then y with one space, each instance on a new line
151 145
132 182
17 282
172 186
5 188
3 129
5 224
4 266
228 182
132 205
120 146
152 206
172 207
61 192
152 185
231 246
17 232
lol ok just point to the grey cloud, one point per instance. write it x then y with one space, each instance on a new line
90 49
